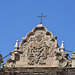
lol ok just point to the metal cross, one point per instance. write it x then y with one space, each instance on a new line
41 17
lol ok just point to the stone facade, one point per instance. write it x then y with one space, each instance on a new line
38 54
38 71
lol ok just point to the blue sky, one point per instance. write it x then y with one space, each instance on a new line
18 17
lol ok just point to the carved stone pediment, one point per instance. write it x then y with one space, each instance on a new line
38 49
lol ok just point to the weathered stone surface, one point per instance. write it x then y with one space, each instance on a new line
1 61
73 59
38 71
38 49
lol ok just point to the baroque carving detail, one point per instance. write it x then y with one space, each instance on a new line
38 49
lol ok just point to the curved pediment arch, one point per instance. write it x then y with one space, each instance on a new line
39 28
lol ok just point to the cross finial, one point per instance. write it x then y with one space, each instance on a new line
41 17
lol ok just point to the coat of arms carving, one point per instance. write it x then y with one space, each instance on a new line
38 48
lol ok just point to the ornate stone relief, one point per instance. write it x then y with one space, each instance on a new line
39 47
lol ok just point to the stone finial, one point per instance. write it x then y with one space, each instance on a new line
73 59
56 45
62 47
17 44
